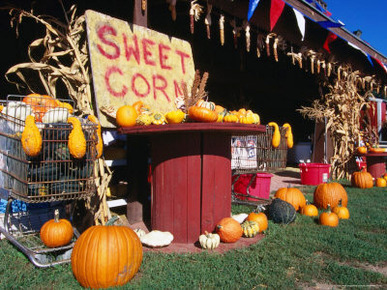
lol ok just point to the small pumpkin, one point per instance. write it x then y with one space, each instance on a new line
329 193
158 118
292 195
126 116
137 106
362 179
329 218
361 150
250 229
230 118
209 241
106 256
31 138
256 119
202 114
309 210
276 139
56 232
99 145
288 135
376 150
229 230
259 218
341 211
381 182
175 117
280 211
77 140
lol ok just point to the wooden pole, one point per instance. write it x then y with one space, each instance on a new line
140 13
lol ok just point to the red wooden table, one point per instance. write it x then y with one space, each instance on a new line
191 175
376 163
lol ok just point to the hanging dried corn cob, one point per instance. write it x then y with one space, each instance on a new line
143 5
194 14
221 29
275 46
299 58
172 8
234 33
338 73
268 44
329 70
207 20
247 36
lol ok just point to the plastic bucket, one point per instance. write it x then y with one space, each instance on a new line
257 185
314 173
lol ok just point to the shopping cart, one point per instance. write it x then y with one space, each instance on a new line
31 188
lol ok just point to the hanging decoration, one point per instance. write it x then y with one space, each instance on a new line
143 6
295 57
235 32
330 38
260 44
221 29
252 5
172 8
300 22
207 20
276 8
194 14
247 35
330 24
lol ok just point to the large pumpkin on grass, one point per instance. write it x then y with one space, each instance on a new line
229 230
329 193
280 211
56 232
362 179
292 195
106 256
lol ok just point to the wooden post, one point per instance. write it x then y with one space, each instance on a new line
140 16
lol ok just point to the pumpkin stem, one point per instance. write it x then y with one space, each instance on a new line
111 221
56 215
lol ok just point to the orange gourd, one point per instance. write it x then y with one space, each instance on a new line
56 232
99 145
260 218
31 138
77 140
309 210
106 256
292 195
229 230
362 179
202 114
341 211
329 218
40 104
288 135
381 182
362 150
329 193
126 116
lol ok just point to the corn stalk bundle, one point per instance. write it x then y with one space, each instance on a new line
341 107
61 57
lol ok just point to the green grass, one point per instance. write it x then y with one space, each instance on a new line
302 254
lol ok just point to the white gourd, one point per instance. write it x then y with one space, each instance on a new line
209 240
155 239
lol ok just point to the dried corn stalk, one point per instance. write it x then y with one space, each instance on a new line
197 90
62 58
341 107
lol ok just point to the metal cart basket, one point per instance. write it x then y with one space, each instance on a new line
40 184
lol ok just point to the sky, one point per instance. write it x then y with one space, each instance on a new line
370 16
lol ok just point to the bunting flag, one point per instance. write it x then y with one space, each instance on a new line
370 59
252 5
384 66
358 48
328 24
330 38
301 22
276 8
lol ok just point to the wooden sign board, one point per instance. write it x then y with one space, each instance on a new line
131 63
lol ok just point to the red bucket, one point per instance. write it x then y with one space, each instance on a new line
314 173
258 186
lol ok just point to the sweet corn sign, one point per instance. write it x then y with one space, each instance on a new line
131 63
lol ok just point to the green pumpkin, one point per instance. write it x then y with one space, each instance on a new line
280 211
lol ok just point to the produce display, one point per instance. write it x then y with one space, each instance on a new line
209 240
259 218
229 230
329 194
329 218
362 179
56 232
309 210
250 229
292 195
280 211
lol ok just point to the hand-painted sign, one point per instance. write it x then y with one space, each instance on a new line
131 63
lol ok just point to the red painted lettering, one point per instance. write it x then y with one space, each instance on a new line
178 90
135 85
161 87
146 46
130 50
102 32
108 73
183 56
163 56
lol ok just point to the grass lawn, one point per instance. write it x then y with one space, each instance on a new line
300 255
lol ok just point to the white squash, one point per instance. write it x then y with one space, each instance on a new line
156 239
140 232
209 240
240 218
56 115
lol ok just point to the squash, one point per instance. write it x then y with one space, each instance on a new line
362 179
292 195
137 106
220 110
229 230
276 139
158 118
202 114
256 119
31 138
106 256
250 229
381 182
140 232
157 239
329 193
280 211
240 218
341 211
209 241
361 150
99 145
126 116
309 210
248 119
56 232
329 218
288 135
175 117
77 140
144 120
65 105
259 218
230 118
40 104
205 104
56 115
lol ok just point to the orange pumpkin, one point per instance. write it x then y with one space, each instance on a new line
292 195
329 219
202 114
381 182
329 193
126 116
260 218
362 179
309 210
362 150
40 104
56 232
341 211
229 230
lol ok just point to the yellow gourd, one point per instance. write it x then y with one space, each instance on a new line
77 140
158 118
275 141
31 139
288 135
99 145
175 117
230 118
